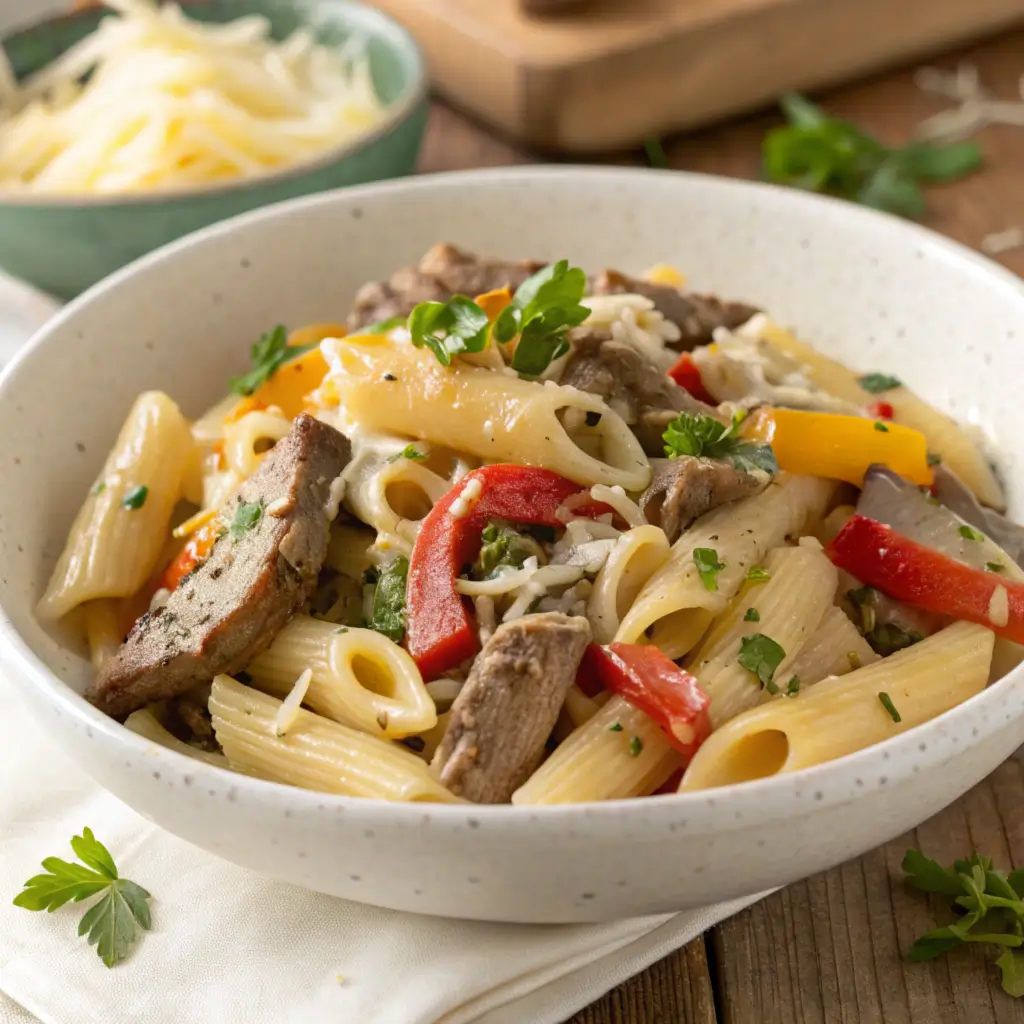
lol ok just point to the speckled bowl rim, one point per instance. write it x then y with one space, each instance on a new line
834 784
392 34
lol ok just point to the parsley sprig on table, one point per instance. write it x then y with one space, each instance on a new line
826 154
268 355
111 924
701 434
990 908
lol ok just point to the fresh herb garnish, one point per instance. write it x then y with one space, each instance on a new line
656 155
410 451
793 686
382 326
995 566
542 310
99 488
635 746
387 614
758 574
112 922
825 154
970 533
247 517
503 546
753 615
448 328
708 566
881 427
876 383
934 460
615 727
761 655
135 497
268 355
701 434
990 909
886 701
887 638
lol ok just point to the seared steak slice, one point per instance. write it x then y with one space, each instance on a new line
629 382
443 272
230 608
504 714
683 489
696 316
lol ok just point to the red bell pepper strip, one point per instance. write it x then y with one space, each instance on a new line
880 411
654 684
197 549
440 633
925 578
686 373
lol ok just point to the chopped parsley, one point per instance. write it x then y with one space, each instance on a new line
970 533
703 435
501 547
99 488
448 328
995 566
758 574
886 702
387 613
753 615
876 383
761 655
542 310
135 497
887 638
881 427
934 460
793 687
248 515
615 727
656 155
410 451
636 745
708 566
382 326
268 355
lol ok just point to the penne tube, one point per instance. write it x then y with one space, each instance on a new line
840 716
248 438
835 648
315 753
145 724
390 386
360 678
675 606
122 527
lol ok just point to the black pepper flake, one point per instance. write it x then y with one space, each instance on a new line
390 376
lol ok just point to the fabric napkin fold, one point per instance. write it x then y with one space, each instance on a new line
231 947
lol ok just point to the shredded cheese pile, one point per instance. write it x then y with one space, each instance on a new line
154 100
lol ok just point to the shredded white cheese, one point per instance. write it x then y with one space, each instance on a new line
975 107
999 607
444 690
335 496
468 497
506 580
633 320
288 712
485 618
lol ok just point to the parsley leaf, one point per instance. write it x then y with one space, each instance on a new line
708 566
793 687
503 546
387 614
268 355
1011 967
542 310
886 701
825 154
135 497
248 515
881 427
876 383
970 533
410 451
111 923
382 326
615 727
761 655
995 566
887 638
753 615
636 745
448 328
703 435
758 574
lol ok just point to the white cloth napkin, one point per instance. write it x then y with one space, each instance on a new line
231 946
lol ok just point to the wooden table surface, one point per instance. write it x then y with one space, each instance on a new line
829 949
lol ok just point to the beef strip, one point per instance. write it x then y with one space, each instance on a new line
231 607
443 272
683 489
695 315
502 718
630 383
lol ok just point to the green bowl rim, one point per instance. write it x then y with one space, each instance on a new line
396 113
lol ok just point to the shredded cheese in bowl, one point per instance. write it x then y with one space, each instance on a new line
155 100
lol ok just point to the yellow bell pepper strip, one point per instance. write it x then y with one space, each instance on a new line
666 274
492 303
291 385
840 447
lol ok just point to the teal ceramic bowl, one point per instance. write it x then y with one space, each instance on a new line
64 244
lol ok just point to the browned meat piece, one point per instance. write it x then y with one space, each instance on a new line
504 714
632 385
230 608
696 316
683 489
443 272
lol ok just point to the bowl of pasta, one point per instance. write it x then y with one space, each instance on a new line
437 544
129 123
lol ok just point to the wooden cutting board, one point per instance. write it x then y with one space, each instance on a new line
607 74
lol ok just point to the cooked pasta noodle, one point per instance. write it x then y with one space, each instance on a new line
834 649
145 724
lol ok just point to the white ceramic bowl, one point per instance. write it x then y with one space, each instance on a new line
877 292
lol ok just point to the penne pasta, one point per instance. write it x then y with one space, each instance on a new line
840 716
360 678
145 724
123 524
248 438
316 753
675 606
834 649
